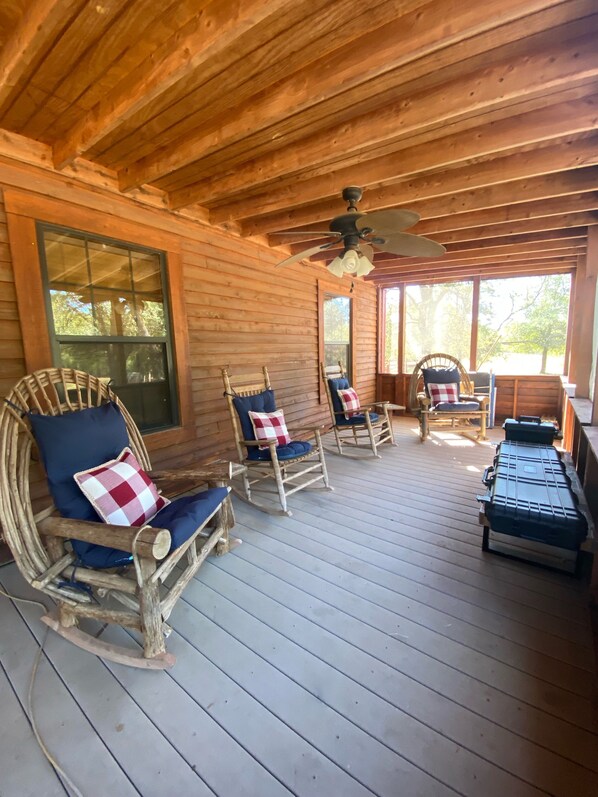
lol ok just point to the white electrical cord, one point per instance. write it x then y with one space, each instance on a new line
61 773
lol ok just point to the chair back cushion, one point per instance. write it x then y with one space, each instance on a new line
120 491
261 402
447 393
340 383
74 442
270 426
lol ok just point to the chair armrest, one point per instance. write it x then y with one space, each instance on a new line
424 400
482 400
308 428
221 471
380 403
150 544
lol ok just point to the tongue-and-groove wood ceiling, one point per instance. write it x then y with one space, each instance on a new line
254 114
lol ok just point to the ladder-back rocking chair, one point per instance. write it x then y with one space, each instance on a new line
289 468
91 569
454 416
365 428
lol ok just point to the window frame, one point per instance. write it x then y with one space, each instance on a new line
24 211
325 289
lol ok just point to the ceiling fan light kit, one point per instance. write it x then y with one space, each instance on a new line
360 232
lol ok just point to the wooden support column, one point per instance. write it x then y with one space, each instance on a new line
592 269
475 313
567 364
402 292
381 344
583 325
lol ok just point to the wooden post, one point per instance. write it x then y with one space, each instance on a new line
583 322
515 391
381 343
401 347
567 363
475 313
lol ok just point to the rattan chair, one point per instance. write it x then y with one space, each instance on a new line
370 428
468 416
272 470
129 576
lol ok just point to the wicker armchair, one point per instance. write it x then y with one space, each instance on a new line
91 569
456 416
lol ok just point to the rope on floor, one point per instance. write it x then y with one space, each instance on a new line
59 770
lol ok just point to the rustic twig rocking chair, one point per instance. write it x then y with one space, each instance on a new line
441 376
76 422
269 460
362 429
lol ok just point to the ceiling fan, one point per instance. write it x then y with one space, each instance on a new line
361 232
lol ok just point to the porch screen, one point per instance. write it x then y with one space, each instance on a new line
523 324
108 314
438 319
337 331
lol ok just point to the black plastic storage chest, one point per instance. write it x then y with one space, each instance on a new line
530 497
531 429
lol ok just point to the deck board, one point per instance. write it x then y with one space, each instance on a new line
363 646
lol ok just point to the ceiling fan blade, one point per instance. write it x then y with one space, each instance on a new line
367 251
403 243
387 222
305 254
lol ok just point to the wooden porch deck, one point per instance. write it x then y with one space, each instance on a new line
363 646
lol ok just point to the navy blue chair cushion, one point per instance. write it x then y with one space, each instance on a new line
262 402
457 406
183 516
341 383
296 448
77 441
355 419
440 376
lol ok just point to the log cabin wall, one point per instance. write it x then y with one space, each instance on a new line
239 313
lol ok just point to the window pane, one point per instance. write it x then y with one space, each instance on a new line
138 372
337 331
438 319
391 331
102 292
523 324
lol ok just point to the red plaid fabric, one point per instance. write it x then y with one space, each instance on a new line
440 393
270 426
350 401
120 491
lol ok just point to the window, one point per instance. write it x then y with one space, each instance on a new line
392 302
108 314
337 331
438 319
523 324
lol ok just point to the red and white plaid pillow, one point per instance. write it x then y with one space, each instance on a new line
350 401
270 426
120 491
444 393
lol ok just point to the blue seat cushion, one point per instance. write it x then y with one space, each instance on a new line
296 448
355 419
261 402
457 406
77 441
183 516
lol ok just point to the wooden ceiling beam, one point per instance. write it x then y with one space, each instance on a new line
522 167
479 267
41 23
545 228
391 266
423 31
542 125
496 272
503 218
215 29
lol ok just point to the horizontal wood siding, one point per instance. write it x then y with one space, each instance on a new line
240 313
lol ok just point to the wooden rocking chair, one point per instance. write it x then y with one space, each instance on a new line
266 463
367 429
86 565
455 416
